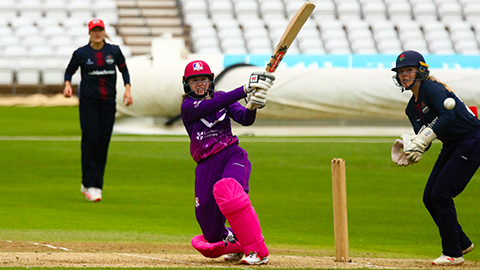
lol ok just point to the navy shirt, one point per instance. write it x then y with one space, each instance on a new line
428 110
98 73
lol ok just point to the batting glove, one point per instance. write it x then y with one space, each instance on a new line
419 143
257 99
259 80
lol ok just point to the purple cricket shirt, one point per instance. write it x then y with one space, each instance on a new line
208 121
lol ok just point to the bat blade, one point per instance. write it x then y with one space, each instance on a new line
291 32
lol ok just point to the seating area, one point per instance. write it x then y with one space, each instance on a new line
336 26
38 37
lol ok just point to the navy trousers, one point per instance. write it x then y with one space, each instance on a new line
453 170
96 121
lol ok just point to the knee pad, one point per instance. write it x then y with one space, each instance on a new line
235 205
214 250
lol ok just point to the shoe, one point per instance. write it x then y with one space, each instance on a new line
93 194
468 250
230 238
233 257
83 189
254 259
447 260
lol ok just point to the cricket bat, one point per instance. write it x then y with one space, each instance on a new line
289 35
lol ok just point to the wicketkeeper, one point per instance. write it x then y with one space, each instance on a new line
434 115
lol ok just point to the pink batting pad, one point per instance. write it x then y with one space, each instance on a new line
235 205
214 250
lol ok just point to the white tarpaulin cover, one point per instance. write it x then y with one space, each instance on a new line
299 92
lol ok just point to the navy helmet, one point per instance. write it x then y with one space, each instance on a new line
411 59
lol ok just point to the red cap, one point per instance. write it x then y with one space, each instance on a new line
95 23
197 68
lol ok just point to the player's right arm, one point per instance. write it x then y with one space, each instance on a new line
67 91
69 71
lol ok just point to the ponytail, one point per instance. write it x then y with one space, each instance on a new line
438 81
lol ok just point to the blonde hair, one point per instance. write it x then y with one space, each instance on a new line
437 80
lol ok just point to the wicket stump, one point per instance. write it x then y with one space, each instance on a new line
340 222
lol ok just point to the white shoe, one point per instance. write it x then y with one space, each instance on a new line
468 250
254 259
233 257
93 194
447 260
83 189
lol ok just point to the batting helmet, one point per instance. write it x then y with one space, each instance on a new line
195 69
411 59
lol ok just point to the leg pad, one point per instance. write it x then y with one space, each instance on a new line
214 250
235 205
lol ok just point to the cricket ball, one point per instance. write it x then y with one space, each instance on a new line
449 103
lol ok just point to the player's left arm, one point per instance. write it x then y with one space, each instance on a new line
193 109
436 96
122 67
241 114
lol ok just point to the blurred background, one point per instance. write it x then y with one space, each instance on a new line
341 58
37 37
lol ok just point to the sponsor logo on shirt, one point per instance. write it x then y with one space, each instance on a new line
425 108
102 72
109 59
196 103
89 62
201 135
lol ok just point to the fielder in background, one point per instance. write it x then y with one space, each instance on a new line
433 115
97 61
223 169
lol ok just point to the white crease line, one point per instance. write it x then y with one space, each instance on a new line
50 246
370 265
167 260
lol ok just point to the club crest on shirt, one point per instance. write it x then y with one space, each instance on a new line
197 66
425 108
196 103
109 59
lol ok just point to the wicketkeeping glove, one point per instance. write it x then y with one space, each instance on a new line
398 156
419 143
259 80
257 99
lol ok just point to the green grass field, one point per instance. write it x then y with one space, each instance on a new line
148 192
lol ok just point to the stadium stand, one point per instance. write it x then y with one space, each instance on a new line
52 29
347 26
38 37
